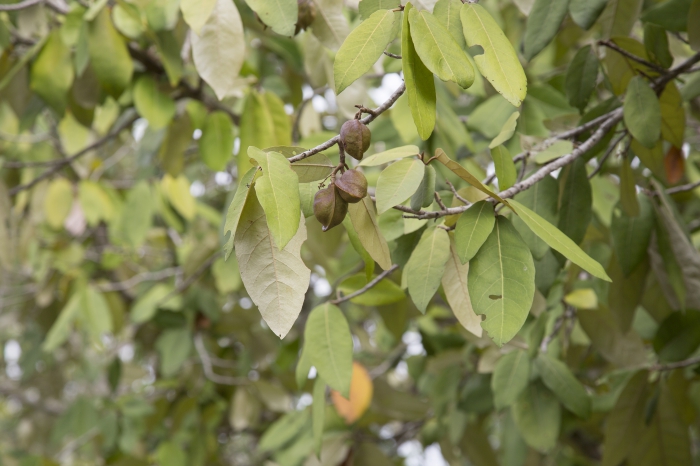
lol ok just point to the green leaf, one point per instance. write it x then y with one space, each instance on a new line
146 306
314 168
235 209
541 199
542 25
216 143
58 202
280 15
301 372
585 12
619 16
559 379
538 417
136 217
671 15
447 12
318 412
672 115
625 421
95 202
460 171
499 63
424 195
171 154
329 343
383 293
631 235
642 112
622 349
364 220
174 347
502 282
454 283
656 45
398 182
218 50
362 48
330 25
507 131
581 77
427 265
177 190
264 123
169 50
367 7
359 248
420 84
575 201
559 241
694 25
620 68
152 104
284 430
472 229
196 12
276 279
61 328
678 337
390 155
505 168
278 192
436 48
52 73
109 56
511 376
171 454
625 292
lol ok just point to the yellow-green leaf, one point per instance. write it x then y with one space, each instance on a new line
427 265
642 112
398 182
465 175
52 72
389 156
280 15
152 104
472 229
196 13
454 283
216 143
364 220
328 341
109 56
505 168
58 202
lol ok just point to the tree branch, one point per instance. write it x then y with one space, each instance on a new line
676 365
683 188
209 370
367 287
139 278
621 51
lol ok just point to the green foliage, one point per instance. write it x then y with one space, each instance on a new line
518 282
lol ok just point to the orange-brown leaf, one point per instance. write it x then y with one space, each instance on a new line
361 389
674 164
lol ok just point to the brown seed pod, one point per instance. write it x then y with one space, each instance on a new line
352 186
307 14
355 137
329 207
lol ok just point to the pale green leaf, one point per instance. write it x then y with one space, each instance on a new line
219 50
383 293
454 283
631 235
556 150
95 202
538 417
447 12
61 328
619 16
362 48
58 202
642 112
284 430
499 63
276 280
582 298
278 192
542 25
559 379
280 15
424 195
575 201
628 189
420 84
581 76
152 104
330 25
510 378
174 347
364 220
178 138
329 343
95 316
301 372
472 229
196 13
427 265
505 168
672 115
318 412
314 168
585 12
367 7
171 454
390 155
177 191
438 50
502 282
216 143
360 249
52 73
542 200
398 182
109 56
146 306
559 241
236 208
136 216
507 131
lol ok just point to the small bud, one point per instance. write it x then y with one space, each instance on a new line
352 186
307 14
329 207
355 137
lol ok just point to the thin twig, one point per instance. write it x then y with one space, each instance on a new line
392 55
192 278
683 188
367 287
20 5
209 370
456 194
569 313
139 278
607 154
389 362
676 365
631 56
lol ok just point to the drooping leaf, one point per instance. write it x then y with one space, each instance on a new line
109 56
233 215
219 49
277 190
318 411
631 235
559 241
505 168
626 419
642 112
152 104
502 282
511 376
264 123
507 131
472 229
620 68
454 283
559 379
499 63
216 143
542 24
465 175
196 13
585 12
628 189
328 340
447 12
694 25
276 280
542 200
581 77
425 194
398 182
626 291
52 73
427 265
362 48
538 417
671 15
672 115
390 155
678 337
438 50
656 45
61 328
575 201
301 372
364 219
420 84
178 137
361 390
280 15
619 16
